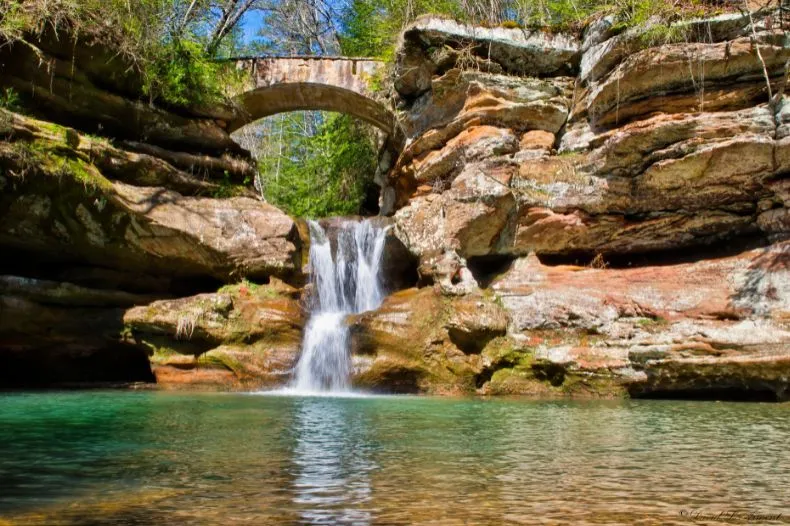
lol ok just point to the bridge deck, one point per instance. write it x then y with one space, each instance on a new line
301 57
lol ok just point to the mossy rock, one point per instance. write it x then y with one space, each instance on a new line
505 352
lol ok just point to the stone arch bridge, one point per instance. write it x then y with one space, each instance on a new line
295 83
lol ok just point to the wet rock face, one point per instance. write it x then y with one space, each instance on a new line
421 340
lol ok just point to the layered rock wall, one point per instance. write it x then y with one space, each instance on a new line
621 198
645 149
112 202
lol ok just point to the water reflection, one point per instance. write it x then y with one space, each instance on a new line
332 463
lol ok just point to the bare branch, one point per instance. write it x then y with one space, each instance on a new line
231 14
759 53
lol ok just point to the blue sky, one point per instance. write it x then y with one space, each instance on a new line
251 22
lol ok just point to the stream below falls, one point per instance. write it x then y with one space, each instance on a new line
126 458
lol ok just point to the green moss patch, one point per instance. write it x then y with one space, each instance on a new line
58 160
248 288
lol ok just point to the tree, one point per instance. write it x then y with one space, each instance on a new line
305 27
231 12
314 164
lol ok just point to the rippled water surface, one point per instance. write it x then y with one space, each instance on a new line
159 458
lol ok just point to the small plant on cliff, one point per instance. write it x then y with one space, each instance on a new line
467 58
598 262
9 100
185 327
227 188
244 287
660 34
182 74
652 322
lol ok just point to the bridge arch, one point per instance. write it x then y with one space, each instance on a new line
340 84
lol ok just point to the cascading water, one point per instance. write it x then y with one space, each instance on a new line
343 285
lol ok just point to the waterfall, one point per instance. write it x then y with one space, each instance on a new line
345 284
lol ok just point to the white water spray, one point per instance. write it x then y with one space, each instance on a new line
343 285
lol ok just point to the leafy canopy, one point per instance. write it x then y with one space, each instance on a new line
319 165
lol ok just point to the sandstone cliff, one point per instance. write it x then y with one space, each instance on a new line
111 202
624 200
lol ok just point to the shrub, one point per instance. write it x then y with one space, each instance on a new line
182 74
9 100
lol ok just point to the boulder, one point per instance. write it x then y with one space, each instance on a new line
435 169
229 237
245 336
546 232
421 340
469 218
447 270
678 371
